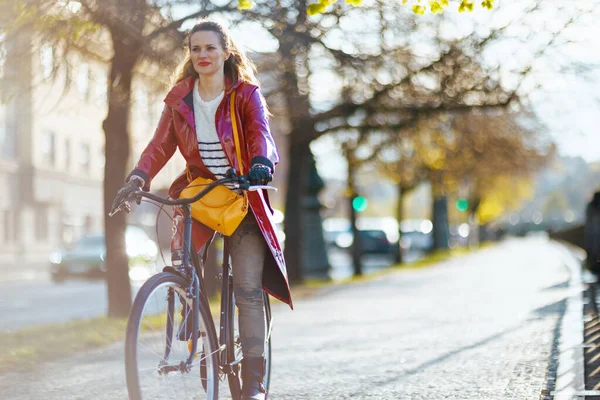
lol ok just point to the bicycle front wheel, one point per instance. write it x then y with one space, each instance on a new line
156 358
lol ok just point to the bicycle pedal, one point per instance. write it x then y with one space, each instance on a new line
189 343
190 348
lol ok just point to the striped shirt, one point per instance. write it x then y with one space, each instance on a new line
210 147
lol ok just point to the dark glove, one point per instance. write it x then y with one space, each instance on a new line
131 186
260 174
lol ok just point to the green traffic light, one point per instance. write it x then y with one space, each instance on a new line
462 204
359 203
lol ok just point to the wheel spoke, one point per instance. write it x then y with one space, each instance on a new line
153 351
149 345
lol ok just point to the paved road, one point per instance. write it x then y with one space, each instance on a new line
30 298
39 301
481 326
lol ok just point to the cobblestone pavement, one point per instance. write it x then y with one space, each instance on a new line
480 326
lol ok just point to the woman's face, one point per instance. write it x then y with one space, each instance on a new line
208 55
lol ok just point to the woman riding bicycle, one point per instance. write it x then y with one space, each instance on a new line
197 120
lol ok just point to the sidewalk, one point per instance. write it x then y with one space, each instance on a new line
486 343
97 374
569 346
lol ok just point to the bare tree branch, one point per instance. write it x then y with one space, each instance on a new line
207 8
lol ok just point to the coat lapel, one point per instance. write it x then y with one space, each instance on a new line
181 98
186 108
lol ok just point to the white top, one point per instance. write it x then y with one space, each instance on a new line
210 147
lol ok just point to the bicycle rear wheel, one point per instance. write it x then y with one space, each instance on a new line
154 357
234 350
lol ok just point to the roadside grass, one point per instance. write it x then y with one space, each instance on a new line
23 349
311 286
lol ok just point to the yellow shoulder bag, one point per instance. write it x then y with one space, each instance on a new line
220 209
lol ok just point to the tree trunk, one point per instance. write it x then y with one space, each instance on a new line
356 239
116 127
299 112
440 223
315 263
399 217
474 238
294 232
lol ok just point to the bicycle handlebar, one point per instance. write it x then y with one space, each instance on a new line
240 182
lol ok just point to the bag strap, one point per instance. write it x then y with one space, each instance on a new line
236 137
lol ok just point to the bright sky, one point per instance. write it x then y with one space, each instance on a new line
568 103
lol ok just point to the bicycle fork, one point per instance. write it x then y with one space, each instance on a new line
193 289
193 292
225 331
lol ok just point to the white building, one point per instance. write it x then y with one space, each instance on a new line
52 145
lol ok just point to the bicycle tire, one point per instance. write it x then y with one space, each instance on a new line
234 349
208 340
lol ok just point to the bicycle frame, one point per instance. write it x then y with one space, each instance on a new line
193 292
195 285
226 300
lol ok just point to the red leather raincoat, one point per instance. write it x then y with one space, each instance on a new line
177 129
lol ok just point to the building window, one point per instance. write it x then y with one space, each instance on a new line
141 101
101 87
67 154
84 156
47 60
3 131
48 148
3 134
6 226
83 80
88 224
41 224
102 158
13 221
7 136
67 232
2 55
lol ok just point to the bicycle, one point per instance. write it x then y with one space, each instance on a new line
182 288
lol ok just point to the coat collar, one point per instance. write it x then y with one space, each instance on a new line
182 93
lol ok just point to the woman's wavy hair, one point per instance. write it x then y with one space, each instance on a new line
237 66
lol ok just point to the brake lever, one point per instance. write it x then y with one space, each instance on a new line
261 187
125 206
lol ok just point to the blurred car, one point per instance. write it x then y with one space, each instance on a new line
378 235
85 259
332 237
416 240
372 241
417 235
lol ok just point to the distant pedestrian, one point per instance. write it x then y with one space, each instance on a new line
592 234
